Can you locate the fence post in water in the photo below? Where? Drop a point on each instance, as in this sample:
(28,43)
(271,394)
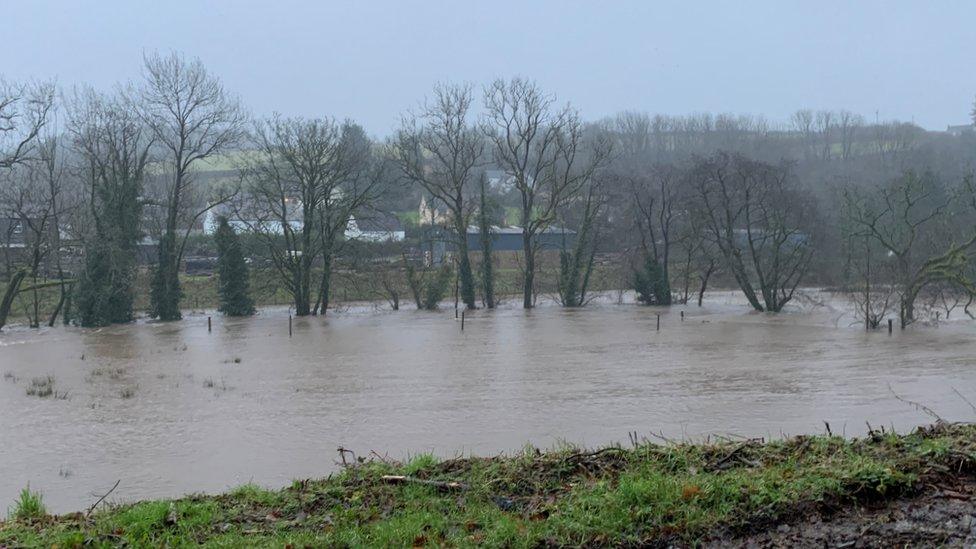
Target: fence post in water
(209,327)
(659,322)
(462,321)
(682,316)
(889,326)
(289,325)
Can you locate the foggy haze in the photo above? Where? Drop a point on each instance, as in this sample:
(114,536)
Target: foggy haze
(371,61)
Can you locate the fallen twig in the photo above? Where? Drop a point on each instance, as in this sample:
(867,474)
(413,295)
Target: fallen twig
(101,499)
(342,455)
(446,486)
(920,407)
(966,400)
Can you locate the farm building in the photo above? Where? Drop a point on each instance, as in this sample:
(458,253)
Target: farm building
(438,241)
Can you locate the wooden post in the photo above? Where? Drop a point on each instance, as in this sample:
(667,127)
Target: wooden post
(659,322)
(889,326)
(682,316)
(209,326)
(289,325)
(462,321)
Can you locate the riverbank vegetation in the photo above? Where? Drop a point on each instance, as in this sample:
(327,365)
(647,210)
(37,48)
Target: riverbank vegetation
(655,493)
(475,183)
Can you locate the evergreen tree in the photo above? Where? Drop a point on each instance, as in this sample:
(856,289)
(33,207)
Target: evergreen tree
(232,273)
(651,285)
(487,269)
(115,151)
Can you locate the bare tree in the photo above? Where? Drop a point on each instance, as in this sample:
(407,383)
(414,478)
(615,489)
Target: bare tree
(754,214)
(825,127)
(803,123)
(541,147)
(439,149)
(906,218)
(308,178)
(41,206)
(655,196)
(873,294)
(24,111)
(848,125)
(192,118)
(576,264)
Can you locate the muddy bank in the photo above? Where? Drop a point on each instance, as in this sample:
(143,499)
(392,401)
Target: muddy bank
(941,516)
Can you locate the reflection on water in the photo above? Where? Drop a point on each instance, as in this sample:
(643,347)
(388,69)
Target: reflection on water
(171,408)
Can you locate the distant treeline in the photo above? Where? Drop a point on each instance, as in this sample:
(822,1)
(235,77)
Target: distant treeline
(89,179)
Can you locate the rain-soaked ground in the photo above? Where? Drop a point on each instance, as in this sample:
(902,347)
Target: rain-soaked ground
(170,408)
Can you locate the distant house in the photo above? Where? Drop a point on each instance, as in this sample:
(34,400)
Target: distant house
(375,227)
(13,233)
(500,180)
(509,239)
(16,235)
(247,219)
(960,129)
(429,214)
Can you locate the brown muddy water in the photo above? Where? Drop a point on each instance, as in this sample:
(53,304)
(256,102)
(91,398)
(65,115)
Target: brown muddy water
(170,409)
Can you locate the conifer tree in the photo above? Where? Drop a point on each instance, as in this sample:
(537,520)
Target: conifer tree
(232,274)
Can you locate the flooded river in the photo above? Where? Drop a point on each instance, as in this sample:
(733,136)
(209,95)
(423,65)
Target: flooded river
(170,408)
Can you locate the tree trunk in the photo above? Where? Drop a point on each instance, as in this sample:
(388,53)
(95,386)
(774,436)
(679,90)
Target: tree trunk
(325,286)
(528,278)
(13,287)
(57,308)
(907,312)
(704,283)
(166,294)
(466,276)
(303,293)
(487,274)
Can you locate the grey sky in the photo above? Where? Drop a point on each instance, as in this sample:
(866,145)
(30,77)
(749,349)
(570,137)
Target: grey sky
(371,60)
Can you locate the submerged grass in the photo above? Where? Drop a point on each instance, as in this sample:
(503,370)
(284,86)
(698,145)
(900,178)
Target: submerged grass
(42,387)
(648,494)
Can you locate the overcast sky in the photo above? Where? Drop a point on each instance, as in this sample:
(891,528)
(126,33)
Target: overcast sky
(370,60)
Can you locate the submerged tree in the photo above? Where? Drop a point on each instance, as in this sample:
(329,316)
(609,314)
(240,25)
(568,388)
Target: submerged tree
(651,284)
(114,149)
(192,118)
(755,215)
(307,179)
(484,230)
(655,200)
(439,150)
(428,286)
(908,218)
(232,275)
(576,264)
(24,111)
(541,147)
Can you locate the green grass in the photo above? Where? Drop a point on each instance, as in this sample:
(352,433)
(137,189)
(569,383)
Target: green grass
(29,506)
(648,494)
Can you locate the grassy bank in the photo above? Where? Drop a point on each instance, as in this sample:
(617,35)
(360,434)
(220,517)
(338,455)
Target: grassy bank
(645,494)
